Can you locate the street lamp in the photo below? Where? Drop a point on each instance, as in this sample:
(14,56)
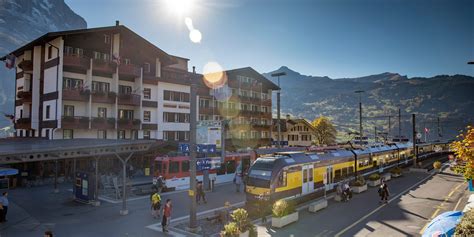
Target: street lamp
(360,114)
(278,74)
(192,147)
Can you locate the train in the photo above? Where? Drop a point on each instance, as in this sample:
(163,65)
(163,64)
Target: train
(299,175)
(175,169)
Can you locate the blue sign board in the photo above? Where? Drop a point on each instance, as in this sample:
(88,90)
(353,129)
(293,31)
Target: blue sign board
(201,148)
(203,164)
(283,143)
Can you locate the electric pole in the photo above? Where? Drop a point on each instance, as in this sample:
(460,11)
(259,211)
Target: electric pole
(360,115)
(415,150)
(439,131)
(399,125)
(278,74)
(389,127)
(192,148)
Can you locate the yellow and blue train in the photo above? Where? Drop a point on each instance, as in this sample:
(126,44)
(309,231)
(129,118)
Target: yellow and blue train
(299,174)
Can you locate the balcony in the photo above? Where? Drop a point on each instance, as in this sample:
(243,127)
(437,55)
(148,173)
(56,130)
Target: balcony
(103,123)
(125,123)
(23,123)
(75,63)
(178,77)
(75,122)
(26,65)
(129,71)
(24,96)
(129,99)
(101,67)
(76,94)
(107,97)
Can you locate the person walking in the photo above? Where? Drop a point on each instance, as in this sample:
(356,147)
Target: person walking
(155,205)
(238,181)
(159,184)
(48,233)
(200,193)
(166,215)
(4,207)
(383,192)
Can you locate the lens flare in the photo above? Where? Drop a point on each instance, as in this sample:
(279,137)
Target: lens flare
(189,23)
(179,6)
(195,36)
(213,75)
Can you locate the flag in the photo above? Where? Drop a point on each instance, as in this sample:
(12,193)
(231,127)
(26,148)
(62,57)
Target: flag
(9,116)
(10,61)
(116,59)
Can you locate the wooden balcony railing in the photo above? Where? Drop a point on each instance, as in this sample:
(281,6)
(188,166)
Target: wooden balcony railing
(75,122)
(129,99)
(129,70)
(102,66)
(125,123)
(104,97)
(26,65)
(76,94)
(103,123)
(23,123)
(76,61)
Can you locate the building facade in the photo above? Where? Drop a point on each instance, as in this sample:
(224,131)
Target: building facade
(110,83)
(294,131)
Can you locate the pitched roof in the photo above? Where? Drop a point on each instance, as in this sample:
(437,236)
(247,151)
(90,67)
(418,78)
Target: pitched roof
(285,122)
(257,75)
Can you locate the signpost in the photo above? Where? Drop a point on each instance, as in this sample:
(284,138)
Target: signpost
(209,132)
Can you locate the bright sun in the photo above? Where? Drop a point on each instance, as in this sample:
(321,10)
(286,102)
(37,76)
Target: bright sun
(180,6)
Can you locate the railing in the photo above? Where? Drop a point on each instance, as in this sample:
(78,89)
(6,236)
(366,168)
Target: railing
(25,96)
(76,61)
(103,66)
(125,123)
(23,123)
(26,65)
(128,99)
(76,94)
(103,123)
(75,122)
(129,70)
(103,97)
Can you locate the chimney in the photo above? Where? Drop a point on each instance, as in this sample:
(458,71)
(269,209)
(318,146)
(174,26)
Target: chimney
(194,69)
(117,23)
(288,117)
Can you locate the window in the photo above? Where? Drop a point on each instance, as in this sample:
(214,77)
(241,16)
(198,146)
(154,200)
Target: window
(50,52)
(126,61)
(174,167)
(146,67)
(48,111)
(125,114)
(184,166)
(203,103)
(175,117)
(98,86)
(107,39)
(183,135)
(264,109)
(96,55)
(68,50)
(102,112)
(106,57)
(282,178)
(79,52)
(146,116)
(101,134)
(68,134)
(71,83)
(176,96)
(134,135)
(68,110)
(147,93)
(121,134)
(146,134)
(125,89)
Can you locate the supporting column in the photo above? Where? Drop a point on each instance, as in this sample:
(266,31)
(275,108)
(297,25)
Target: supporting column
(124,210)
(96,191)
(74,178)
(56,190)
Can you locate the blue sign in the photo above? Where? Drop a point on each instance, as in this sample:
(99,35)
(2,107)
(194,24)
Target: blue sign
(201,148)
(203,164)
(283,143)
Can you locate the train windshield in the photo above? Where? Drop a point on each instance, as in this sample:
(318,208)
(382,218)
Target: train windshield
(260,174)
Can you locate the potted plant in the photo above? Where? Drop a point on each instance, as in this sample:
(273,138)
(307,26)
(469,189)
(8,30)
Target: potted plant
(466,225)
(437,165)
(374,180)
(359,185)
(283,213)
(396,172)
(241,218)
(230,230)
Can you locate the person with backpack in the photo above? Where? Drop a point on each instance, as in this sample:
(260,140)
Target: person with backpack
(155,205)
(346,192)
(200,193)
(159,184)
(383,192)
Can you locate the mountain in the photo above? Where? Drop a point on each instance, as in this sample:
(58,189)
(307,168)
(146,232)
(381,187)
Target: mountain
(450,98)
(22,21)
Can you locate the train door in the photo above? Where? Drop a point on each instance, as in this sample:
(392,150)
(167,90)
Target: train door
(308,183)
(329,178)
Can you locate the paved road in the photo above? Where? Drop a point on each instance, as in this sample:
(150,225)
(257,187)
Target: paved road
(415,199)
(36,209)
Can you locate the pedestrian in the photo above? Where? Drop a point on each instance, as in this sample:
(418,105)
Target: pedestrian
(201,193)
(48,233)
(159,184)
(166,215)
(238,181)
(155,205)
(4,207)
(383,192)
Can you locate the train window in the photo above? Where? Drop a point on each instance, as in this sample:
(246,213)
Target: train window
(294,169)
(174,167)
(310,175)
(337,175)
(185,166)
(350,170)
(344,172)
(158,166)
(305,176)
(282,178)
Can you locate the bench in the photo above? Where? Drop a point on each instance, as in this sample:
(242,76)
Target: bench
(318,205)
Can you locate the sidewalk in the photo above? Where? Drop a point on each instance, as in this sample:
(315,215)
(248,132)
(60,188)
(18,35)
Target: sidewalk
(412,202)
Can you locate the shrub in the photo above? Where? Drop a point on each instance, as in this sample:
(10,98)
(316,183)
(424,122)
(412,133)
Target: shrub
(282,208)
(466,226)
(230,230)
(396,170)
(359,181)
(241,218)
(374,177)
(437,165)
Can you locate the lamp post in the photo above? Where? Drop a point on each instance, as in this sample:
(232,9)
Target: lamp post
(278,74)
(360,114)
(192,147)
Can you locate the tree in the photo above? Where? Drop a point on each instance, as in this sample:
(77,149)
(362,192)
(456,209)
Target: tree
(464,151)
(325,132)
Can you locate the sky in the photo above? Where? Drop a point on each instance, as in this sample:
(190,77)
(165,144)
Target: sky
(335,38)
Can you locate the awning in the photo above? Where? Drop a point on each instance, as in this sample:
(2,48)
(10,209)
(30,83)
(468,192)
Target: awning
(8,171)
